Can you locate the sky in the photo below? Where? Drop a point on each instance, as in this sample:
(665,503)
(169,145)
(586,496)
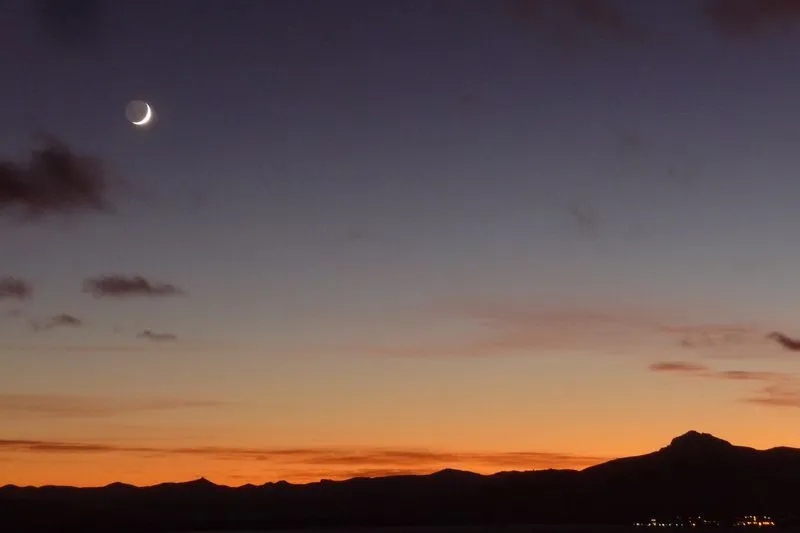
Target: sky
(365,238)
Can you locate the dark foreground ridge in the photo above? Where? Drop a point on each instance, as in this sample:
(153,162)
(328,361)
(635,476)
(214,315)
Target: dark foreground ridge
(697,474)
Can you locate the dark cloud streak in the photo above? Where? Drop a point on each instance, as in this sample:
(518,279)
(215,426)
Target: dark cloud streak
(62,320)
(678,366)
(155,336)
(793,345)
(118,286)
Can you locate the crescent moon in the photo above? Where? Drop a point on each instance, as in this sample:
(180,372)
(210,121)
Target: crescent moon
(147,116)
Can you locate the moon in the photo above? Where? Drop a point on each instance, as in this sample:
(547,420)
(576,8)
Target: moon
(139,113)
(146,118)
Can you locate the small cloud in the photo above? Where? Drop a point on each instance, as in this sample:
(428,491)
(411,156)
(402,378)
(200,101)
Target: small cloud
(787,342)
(62,320)
(748,18)
(12,288)
(678,367)
(117,285)
(156,336)
(748,375)
(72,406)
(54,181)
(586,220)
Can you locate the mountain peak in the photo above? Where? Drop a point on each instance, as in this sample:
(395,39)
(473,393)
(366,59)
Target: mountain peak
(200,482)
(694,440)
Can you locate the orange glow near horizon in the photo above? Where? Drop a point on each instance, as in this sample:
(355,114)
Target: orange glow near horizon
(98,469)
(518,403)
(37,463)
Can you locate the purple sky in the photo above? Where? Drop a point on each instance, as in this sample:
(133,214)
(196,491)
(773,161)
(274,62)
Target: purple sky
(346,193)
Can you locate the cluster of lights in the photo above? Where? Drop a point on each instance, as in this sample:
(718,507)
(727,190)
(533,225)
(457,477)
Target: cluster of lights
(747,521)
(658,523)
(678,522)
(755,521)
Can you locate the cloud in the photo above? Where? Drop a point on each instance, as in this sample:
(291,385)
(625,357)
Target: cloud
(749,375)
(678,366)
(133,347)
(62,320)
(118,285)
(12,288)
(780,389)
(787,342)
(586,220)
(502,328)
(329,462)
(685,367)
(747,18)
(778,395)
(714,335)
(71,406)
(54,181)
(156,336)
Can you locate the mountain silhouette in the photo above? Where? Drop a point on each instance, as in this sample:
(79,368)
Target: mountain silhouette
(696,474)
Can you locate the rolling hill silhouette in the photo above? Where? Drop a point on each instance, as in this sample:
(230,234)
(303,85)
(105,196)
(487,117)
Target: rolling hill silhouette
(695,474)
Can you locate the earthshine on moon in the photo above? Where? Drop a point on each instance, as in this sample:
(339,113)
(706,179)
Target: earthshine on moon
(139,113)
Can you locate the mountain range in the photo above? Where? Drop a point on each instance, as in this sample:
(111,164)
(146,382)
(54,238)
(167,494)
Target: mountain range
(696,474)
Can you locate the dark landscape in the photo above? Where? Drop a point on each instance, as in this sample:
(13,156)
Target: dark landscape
(697,474)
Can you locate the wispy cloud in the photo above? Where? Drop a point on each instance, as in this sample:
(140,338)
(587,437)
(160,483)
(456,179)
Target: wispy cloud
(55,180)
(369,461)
(119,286)
(157,336)
(133,347)
(12,288)
(506,328)
(62,320)
(779,389)
(714,335)
(778,395)
(71,406)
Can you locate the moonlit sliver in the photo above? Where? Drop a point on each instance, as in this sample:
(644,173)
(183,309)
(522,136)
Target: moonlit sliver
(140,113)
(147,115)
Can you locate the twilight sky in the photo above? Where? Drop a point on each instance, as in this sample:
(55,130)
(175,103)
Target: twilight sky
(372,237)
